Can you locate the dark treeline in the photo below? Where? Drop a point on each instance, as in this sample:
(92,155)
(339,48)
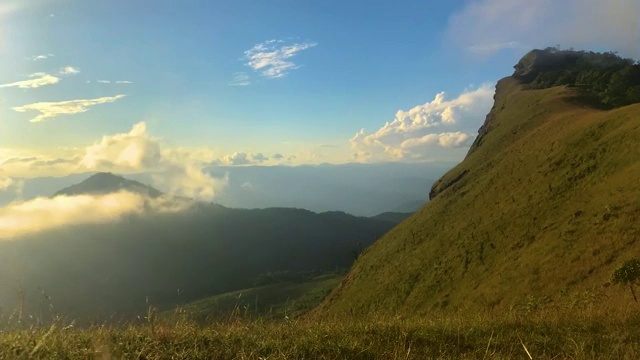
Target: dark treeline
(605,79)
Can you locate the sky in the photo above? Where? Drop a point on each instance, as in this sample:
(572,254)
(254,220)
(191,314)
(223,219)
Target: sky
(173,86)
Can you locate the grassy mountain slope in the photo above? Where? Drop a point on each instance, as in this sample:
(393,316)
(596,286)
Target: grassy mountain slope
(275,301)
(545,203)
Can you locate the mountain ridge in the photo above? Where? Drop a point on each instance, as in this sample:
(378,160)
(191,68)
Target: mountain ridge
(103,183)
(540,207)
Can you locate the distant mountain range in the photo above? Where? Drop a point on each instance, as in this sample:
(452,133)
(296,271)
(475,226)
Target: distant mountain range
(358,189)
(113,270)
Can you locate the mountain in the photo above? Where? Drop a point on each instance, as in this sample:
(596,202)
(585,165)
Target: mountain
(106,183)
(116,270)
(359,189)
(543,206)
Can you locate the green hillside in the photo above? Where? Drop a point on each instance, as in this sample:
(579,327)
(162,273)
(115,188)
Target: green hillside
(545,205)
(286,299)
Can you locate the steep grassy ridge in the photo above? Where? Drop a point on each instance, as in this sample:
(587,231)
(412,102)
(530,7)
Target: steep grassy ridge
(545,204)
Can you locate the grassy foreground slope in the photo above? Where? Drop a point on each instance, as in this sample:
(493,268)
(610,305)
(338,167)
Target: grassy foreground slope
(545,205)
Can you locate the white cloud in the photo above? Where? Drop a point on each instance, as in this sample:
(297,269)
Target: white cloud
(178,170)
(103,82)
(242,158)
(237,158)
(69,70)
(41,57)
(36,80)
(240,79)
(487,26)
(41,214)
(273,58)
(49,110)
(125,82)
(426,130)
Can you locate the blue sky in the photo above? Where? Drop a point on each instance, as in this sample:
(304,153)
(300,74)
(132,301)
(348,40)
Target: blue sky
(190,72)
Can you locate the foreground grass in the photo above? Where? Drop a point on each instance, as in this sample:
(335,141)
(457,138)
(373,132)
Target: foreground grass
(535,336)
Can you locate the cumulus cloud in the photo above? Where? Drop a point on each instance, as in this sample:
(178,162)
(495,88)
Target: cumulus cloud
(237,158)
(178,170)
(49,110)
(487,26)
(36,80)
(242,158)
(273,58)
(426,129)
(23,218)
(259,157)
(104,81)
(69,70)
(125,82)
(278,156)
(240,79)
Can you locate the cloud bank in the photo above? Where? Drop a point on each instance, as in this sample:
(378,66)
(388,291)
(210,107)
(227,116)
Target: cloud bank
(426,131)
(34,216)
(273,58)
(50,110)
(487,26)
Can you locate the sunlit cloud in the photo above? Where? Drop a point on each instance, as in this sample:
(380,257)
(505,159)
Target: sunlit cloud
(69,70)
(240,79)
(178,170)
(428,130)
(125,82)
(273,58)
(50,110)
(41,214)
(485,27)
(36,80)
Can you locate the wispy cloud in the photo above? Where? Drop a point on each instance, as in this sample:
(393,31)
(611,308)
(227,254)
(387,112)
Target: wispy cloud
(273,58)
(484,27)
(240,79)
(41,57)
(492,48)
(36,80)
(120,82)
(49,110)
(69,70)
